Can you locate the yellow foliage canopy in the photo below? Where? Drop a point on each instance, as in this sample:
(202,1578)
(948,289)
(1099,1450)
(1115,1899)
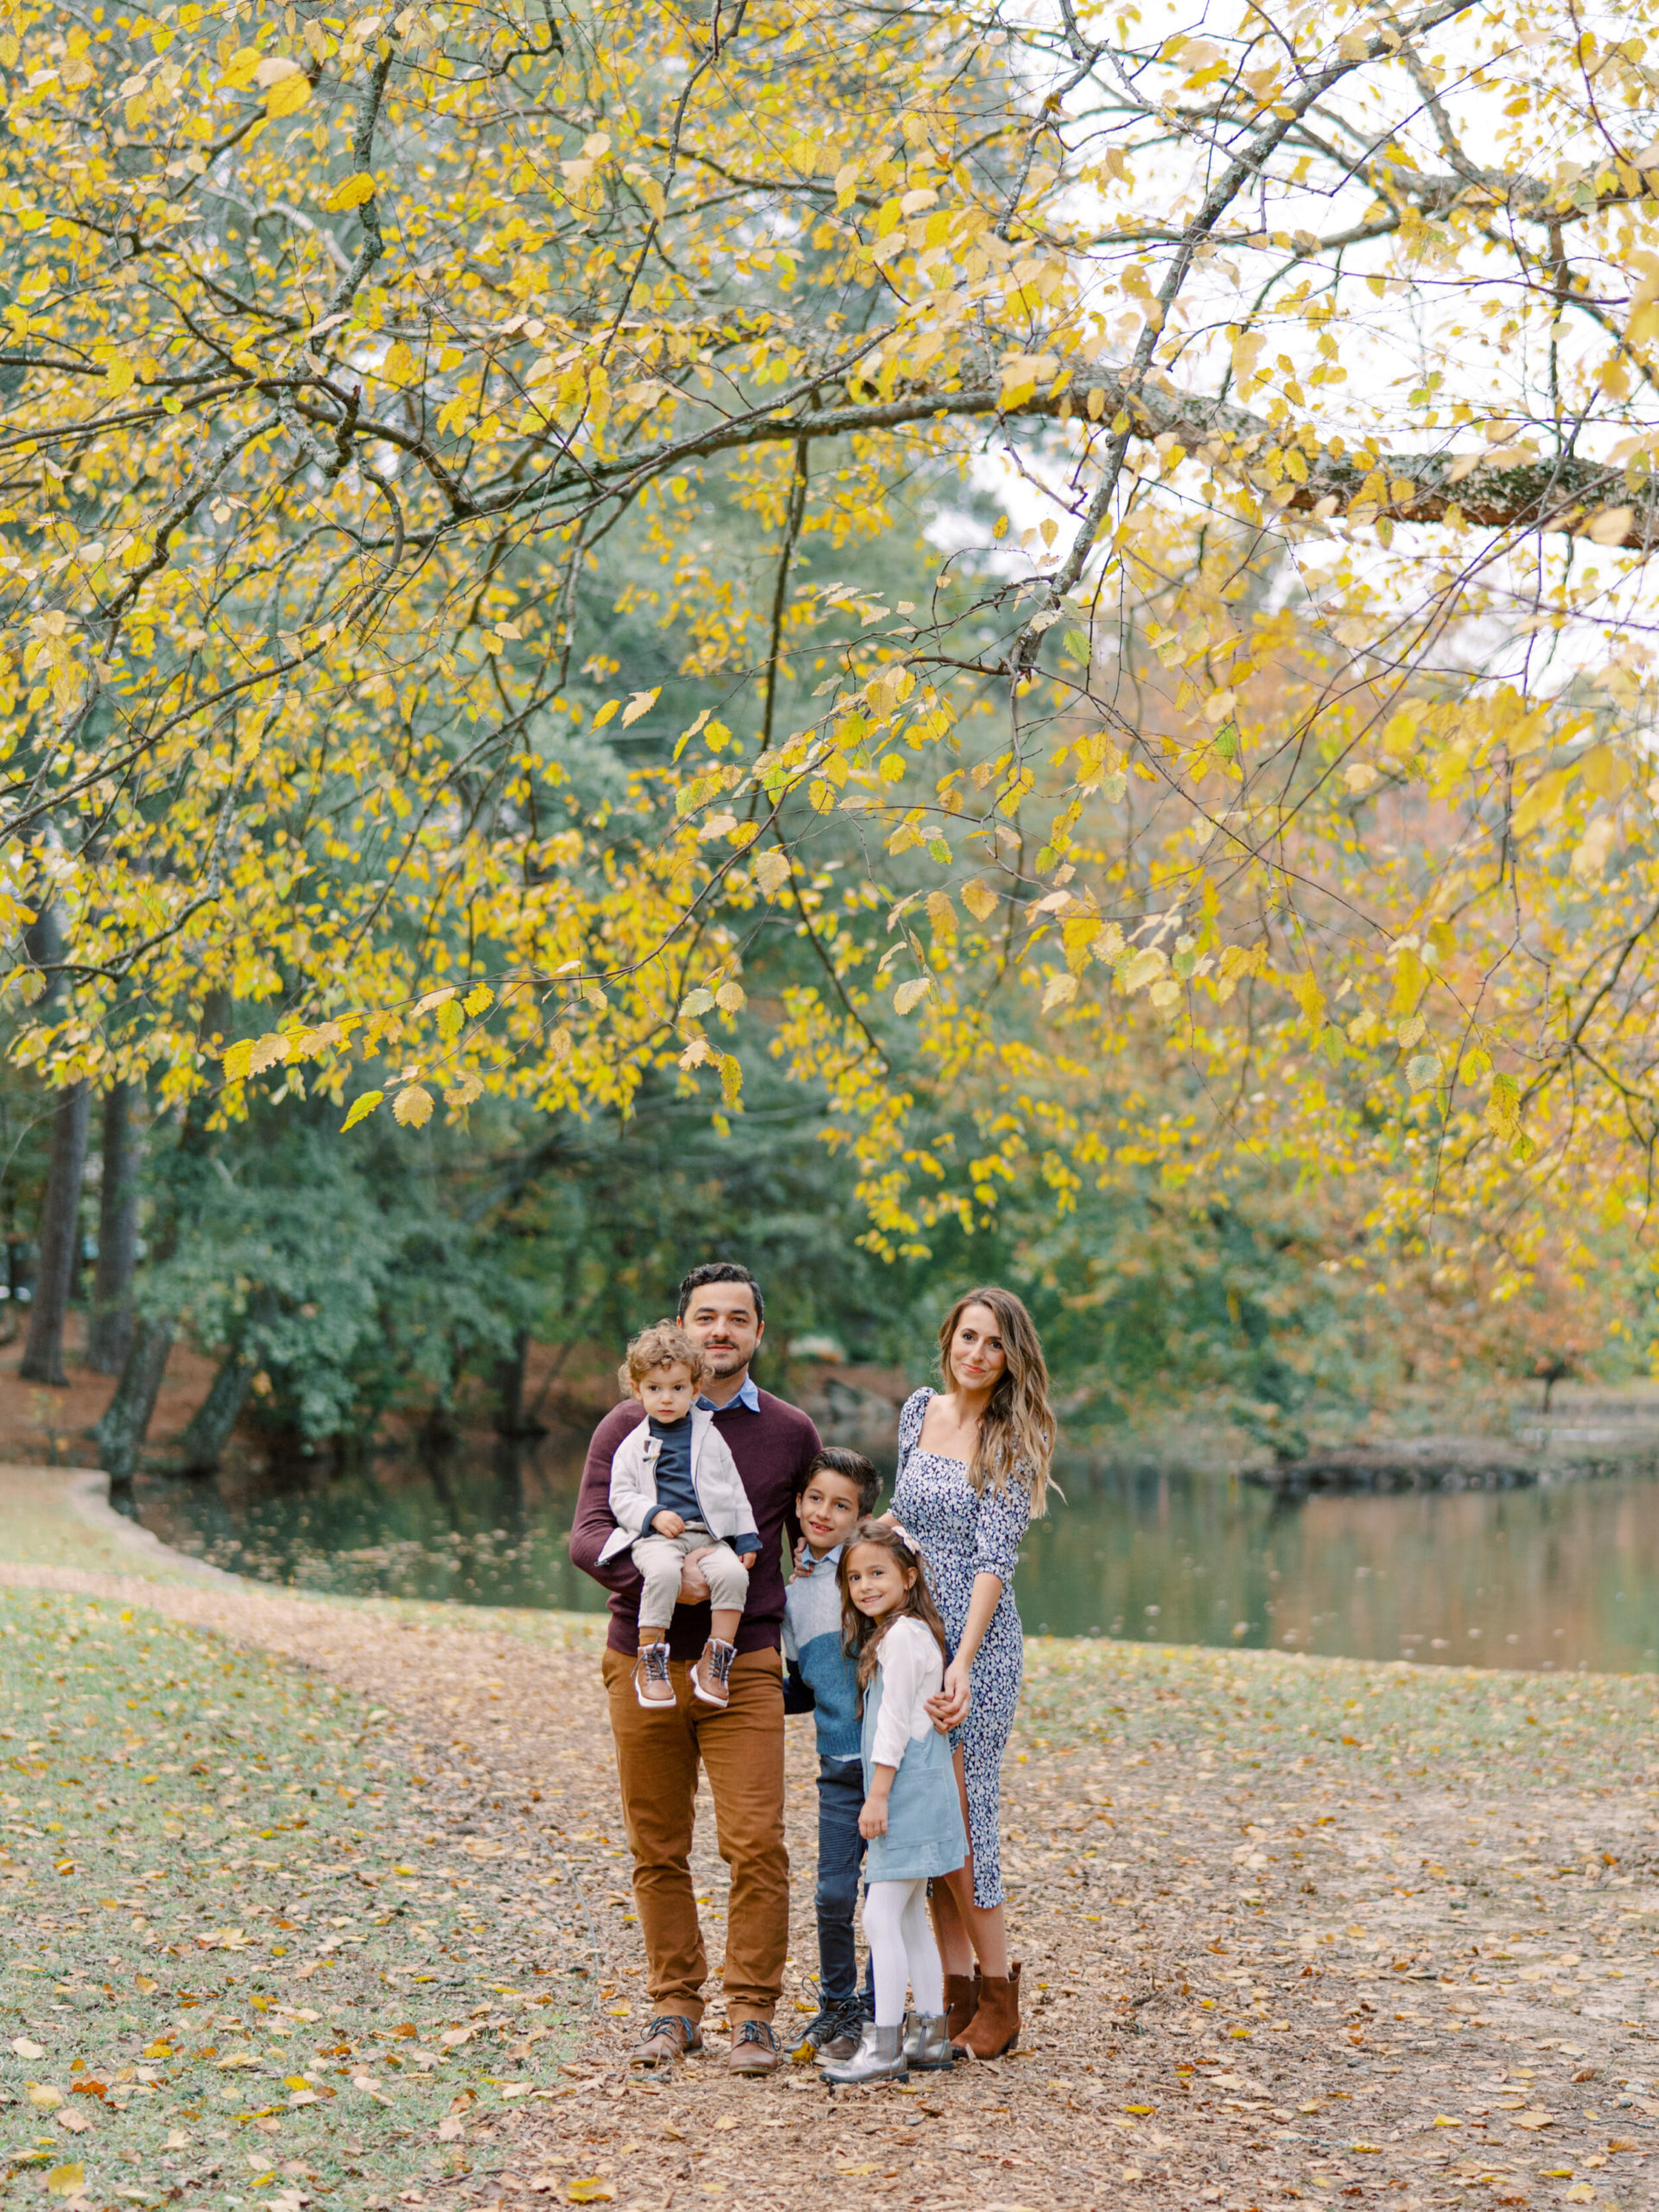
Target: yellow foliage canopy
(1301,739)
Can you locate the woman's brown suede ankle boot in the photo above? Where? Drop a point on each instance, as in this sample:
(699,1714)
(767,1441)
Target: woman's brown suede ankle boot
(960,2001)
(994,2027)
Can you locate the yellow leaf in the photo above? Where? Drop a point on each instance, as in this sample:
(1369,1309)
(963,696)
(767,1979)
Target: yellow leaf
(731,998)
(1580,2193)
(640,703)
(605,712)
(25,2049)
(120,376)
(265,1051)
(771,872)
(288,96)
(1534,2118)
(1060,991)
(65,2180)
(1145,967)
(412,1107)
(979,900)
(360,1108)
(911,994)
(479,999)
(593,2190)
(352,193)
(399,366)
(237,1059)
(1611,527)
(239,69)
(1590,854)
(43,2094)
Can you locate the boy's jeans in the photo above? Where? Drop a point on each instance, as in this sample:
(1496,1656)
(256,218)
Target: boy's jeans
(840,1854)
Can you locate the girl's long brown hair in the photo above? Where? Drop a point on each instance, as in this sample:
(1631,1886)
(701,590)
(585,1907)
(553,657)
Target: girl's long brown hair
(1016,1431)
(862,1637)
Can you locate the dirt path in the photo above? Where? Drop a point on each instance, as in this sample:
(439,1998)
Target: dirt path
(1292,1930)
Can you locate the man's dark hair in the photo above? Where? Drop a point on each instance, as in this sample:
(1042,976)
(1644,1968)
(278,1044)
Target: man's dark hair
(854,1467)
(719,1271)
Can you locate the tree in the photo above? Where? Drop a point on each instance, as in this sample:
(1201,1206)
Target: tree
(1328,348)
(109,1331)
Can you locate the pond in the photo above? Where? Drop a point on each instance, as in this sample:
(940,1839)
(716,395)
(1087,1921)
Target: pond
(1564,1575)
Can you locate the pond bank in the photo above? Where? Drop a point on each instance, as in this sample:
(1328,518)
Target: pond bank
(1289,1926)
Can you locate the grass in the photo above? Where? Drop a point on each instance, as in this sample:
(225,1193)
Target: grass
(238,1967)
(1461,1723)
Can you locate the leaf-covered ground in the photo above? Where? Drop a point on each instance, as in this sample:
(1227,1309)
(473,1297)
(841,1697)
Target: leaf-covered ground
(1294,1931)
(238,1962)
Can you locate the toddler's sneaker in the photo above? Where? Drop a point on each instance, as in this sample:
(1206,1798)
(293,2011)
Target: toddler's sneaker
(651,1685)
(711,1675)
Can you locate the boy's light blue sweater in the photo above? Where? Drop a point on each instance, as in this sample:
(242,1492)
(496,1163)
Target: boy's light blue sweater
(812,1642)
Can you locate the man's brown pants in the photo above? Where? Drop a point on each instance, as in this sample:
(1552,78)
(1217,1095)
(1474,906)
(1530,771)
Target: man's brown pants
(657,1754)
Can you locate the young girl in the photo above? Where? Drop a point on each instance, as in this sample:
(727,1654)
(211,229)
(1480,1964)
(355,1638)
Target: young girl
(911,1819)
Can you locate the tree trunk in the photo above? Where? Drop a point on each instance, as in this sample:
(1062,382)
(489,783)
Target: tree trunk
(120,1435)
(109,1332)
(60,1239)
(510,1417)
(202,1444)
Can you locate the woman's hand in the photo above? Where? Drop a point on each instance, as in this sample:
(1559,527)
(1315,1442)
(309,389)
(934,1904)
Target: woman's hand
(873,1818)
(950,1709)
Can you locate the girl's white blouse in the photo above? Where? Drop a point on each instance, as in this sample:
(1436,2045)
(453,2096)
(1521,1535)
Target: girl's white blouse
(912,1670)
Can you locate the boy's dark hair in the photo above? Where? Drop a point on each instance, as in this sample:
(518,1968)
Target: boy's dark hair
(854,1467)
(719,1271)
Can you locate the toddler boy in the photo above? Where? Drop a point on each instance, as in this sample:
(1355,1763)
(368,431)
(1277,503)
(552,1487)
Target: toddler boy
(839,1488)
(675,1491)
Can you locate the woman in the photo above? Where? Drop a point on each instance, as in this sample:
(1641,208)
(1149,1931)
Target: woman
(973,1472)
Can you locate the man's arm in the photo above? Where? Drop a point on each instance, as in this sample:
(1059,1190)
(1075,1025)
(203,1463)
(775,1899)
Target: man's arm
(594,1522)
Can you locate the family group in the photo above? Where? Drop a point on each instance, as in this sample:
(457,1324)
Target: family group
(751,1576)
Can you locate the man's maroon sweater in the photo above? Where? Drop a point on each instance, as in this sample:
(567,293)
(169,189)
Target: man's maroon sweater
(773,1449)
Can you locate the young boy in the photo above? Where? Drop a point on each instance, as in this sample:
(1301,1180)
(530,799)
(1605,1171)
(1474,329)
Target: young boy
(675,1489)
(839,1489)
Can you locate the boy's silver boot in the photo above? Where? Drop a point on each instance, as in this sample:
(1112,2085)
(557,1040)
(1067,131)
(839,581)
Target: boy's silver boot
(880,2057)
(927,2044)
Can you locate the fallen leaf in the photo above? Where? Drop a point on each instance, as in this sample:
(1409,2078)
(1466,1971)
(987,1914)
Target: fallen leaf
(450,2129)
(65,2180)
(595,2191)
(1534,2119)
(1580,2193)
(75,2119)
(727,2120)
(43,2094)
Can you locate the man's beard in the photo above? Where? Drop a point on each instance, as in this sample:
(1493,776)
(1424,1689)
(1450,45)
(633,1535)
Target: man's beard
(724,1362)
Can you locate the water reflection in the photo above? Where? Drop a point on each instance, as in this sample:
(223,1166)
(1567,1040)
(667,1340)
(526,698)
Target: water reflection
(1559,1577)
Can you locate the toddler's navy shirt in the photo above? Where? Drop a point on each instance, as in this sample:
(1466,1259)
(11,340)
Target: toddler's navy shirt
(675,1493)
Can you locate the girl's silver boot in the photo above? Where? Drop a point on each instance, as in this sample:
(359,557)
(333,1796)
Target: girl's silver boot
(927,2045)
(880,2057)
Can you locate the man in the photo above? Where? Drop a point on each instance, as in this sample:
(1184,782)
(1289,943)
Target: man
(739,1744)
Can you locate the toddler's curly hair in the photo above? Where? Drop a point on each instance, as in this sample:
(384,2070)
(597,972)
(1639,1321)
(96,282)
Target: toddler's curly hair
(664,1345)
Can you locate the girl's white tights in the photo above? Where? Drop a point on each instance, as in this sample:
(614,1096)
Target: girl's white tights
(902,1950)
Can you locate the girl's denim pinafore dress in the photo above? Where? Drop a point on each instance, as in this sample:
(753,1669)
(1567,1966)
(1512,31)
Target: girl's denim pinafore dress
(925,1833)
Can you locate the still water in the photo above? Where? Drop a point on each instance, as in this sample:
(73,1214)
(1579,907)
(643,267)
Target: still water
(1564,1576)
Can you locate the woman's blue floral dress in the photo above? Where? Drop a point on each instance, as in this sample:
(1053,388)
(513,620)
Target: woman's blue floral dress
(961,1533)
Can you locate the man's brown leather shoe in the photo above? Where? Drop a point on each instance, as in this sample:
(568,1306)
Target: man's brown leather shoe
(755,2049)
(669,2037)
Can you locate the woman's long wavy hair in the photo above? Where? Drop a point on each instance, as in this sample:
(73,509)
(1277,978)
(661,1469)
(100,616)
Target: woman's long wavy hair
(860,1636)
(1016,1431)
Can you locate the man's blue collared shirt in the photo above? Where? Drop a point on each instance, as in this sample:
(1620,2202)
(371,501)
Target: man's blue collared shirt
(748,1397)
